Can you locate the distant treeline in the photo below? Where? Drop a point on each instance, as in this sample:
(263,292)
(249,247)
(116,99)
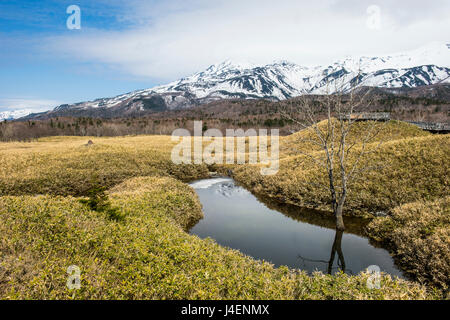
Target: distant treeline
(33,129)
(222,115)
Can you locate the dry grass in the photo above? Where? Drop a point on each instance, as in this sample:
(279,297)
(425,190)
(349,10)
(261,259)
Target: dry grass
(65,166)
(382,131)
(420,234)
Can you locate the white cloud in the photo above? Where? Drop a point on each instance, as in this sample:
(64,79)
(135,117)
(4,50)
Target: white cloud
(175,38)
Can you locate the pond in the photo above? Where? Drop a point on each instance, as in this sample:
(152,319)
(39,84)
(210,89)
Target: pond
(284,234)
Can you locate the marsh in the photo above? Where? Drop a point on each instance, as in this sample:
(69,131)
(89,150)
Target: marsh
(283,234)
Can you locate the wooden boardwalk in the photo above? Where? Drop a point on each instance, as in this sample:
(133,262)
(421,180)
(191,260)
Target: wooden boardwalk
(367,116)
(435,127)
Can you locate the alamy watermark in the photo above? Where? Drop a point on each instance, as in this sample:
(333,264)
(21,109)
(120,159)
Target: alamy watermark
(373,21)
(374,280)
(74,279)
(73,22)
(208,147)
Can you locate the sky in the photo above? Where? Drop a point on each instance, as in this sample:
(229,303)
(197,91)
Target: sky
(126,45)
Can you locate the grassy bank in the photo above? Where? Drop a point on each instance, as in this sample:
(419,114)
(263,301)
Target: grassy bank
(148,255)
(420,235)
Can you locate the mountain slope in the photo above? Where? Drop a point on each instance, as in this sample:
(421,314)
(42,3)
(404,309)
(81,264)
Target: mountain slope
(277,81)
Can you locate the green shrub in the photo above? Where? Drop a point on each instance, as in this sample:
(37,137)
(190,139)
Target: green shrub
(149,255)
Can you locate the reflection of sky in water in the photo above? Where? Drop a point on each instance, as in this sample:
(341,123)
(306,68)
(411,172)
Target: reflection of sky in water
(235,218)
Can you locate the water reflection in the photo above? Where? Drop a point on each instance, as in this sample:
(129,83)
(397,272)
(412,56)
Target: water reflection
(336,248)
(284,234)
(354,225)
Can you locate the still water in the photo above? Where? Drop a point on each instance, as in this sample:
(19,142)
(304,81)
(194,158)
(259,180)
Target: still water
(283,234)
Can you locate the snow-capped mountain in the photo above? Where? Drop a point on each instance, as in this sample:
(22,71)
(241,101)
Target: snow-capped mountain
(276,81)
(14,114)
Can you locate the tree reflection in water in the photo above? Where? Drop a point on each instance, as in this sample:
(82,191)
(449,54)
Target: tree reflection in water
(336,248)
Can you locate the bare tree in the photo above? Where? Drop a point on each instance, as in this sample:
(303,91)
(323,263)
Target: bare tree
(330,123)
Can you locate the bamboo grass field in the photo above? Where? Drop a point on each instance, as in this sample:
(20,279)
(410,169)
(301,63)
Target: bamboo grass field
(147,253)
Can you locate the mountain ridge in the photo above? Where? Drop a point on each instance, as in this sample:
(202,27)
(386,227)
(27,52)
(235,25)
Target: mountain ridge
(276,81)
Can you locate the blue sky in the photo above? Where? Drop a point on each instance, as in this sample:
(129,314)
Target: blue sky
(125,45)
(31,77)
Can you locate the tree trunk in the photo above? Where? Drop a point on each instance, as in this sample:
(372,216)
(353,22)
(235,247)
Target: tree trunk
(339,219)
